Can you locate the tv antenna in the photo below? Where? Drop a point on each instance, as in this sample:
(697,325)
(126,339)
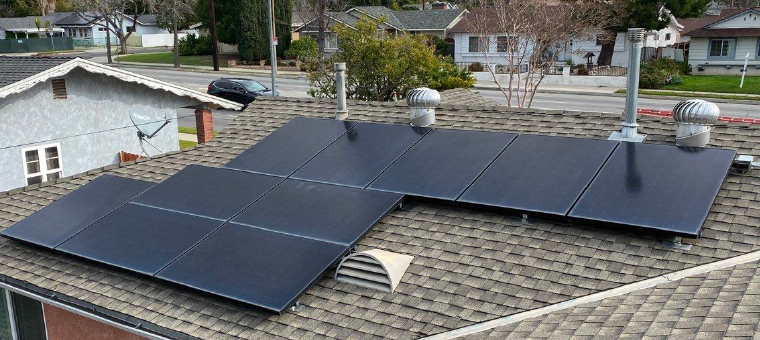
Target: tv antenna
(148,124)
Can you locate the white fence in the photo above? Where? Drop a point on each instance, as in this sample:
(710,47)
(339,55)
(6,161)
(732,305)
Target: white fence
(153,40)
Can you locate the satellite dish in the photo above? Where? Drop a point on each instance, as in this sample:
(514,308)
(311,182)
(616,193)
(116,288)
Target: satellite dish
(148,123)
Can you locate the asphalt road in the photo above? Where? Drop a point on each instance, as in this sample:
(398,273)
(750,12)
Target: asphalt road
(298,87)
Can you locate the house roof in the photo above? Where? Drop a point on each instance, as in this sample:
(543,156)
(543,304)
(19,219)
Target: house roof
(402,20)
(77,19)
(41,69)
(10,24)
(467,24)
(724,32)
(14,69)
(428,20)
(693,27)
(469,266)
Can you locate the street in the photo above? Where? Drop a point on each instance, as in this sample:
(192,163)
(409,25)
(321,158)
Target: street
(298,87)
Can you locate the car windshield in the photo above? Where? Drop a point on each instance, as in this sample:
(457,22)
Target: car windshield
(252,86)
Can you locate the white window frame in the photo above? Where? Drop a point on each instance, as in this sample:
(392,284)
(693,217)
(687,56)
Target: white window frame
(44,171)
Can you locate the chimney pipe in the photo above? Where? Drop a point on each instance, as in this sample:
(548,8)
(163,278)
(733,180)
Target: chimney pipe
(629,132)
(340,88)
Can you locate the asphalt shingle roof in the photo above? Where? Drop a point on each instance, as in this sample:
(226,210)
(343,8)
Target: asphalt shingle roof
(14,69)
(469,265)
(722,304)
(427,20)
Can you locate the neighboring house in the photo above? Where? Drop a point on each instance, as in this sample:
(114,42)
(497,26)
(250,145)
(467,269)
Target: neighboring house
(65,116)
(469,49)
(85,27)
(432,22)
(718,44)
(25,27)
(476,273)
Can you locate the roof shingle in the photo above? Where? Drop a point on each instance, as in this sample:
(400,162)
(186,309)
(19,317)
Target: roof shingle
(14,69)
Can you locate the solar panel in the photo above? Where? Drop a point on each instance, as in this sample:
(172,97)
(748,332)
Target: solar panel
(290,146)
(357,157)
(209,192)
(542,174)
(263,268)
(443,164)
(657,187)
(139,238)
(69,215)
(320,211)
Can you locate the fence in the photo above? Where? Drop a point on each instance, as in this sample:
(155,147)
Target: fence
(36,45)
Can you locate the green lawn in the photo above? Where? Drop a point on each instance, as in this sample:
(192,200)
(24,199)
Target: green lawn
(168,58)
(720,84)
(184,144)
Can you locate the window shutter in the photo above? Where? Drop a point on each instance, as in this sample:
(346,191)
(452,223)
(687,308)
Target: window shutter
(59,88)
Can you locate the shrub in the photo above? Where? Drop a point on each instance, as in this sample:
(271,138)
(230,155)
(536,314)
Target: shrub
(582,70)
(193,45)
(441,46)
(303,49)
(475,67)
(449,76)
(659,72)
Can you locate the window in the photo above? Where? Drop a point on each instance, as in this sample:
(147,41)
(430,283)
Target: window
(476,45)
(21,316)
(599,39)
(59,88)
(42,164)
(722,48)
(503,43)
(667,36)
(130,29)
(757,49)
(101,29)
(331,41)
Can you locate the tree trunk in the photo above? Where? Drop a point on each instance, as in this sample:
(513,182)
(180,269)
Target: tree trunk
(176,38)
(108,43)
(608,49)
(321,14)
(123,43)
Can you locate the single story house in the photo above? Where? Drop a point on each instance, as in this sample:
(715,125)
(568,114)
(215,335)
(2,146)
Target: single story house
(719,44)
(468,49)
(64,116)
(88,28)
(475,273)
(26,27)
(430,22)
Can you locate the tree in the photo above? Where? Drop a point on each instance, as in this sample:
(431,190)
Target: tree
(111,15)
(19,8)
(173,15)
(303,49)
(527,35)
(382,67)
(648,14)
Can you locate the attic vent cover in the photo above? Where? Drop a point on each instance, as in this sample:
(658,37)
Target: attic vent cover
(374,268)
(59,88)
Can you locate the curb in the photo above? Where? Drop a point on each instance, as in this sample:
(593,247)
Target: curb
(194,69)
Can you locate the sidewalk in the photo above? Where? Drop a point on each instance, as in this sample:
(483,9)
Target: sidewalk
(235,70)
(560,89)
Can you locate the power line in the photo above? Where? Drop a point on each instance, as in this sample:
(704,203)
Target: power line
(88,134)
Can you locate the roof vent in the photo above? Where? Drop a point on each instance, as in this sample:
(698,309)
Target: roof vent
(694,118)
(374,268)
(422,102)
(59,89)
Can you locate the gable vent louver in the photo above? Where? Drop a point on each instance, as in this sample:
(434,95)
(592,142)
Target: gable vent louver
(376,269)
(59,89)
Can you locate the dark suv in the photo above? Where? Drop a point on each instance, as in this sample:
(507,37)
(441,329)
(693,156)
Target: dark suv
(239,90)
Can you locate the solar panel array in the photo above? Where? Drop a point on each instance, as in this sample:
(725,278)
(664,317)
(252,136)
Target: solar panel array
(271,222)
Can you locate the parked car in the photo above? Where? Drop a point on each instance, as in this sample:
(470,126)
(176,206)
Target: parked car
(240,90)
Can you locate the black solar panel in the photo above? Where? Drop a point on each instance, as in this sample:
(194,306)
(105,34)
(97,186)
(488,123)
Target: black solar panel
(320,211)
(69,215)
(357,157)
(443,164)
(540,174)
(263,268)
(139,238)
(658,187)
(208,192)
(290,146)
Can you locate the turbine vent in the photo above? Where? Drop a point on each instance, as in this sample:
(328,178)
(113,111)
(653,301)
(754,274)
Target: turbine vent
(375,269)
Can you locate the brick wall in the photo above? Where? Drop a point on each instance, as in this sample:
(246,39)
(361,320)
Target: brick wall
(65,325)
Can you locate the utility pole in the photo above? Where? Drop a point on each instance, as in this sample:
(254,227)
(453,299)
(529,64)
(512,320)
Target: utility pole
(212,29)
(272,47)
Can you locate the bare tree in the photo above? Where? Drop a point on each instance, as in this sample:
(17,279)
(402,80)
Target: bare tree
(172,11)
(111,14)
(316,13)
(521,39)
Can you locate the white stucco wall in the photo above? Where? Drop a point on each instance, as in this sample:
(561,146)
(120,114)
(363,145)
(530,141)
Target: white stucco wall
(92,125)
(698,55)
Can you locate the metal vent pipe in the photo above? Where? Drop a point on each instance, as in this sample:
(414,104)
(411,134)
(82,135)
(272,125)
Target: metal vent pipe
(340,89)
(636,37)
